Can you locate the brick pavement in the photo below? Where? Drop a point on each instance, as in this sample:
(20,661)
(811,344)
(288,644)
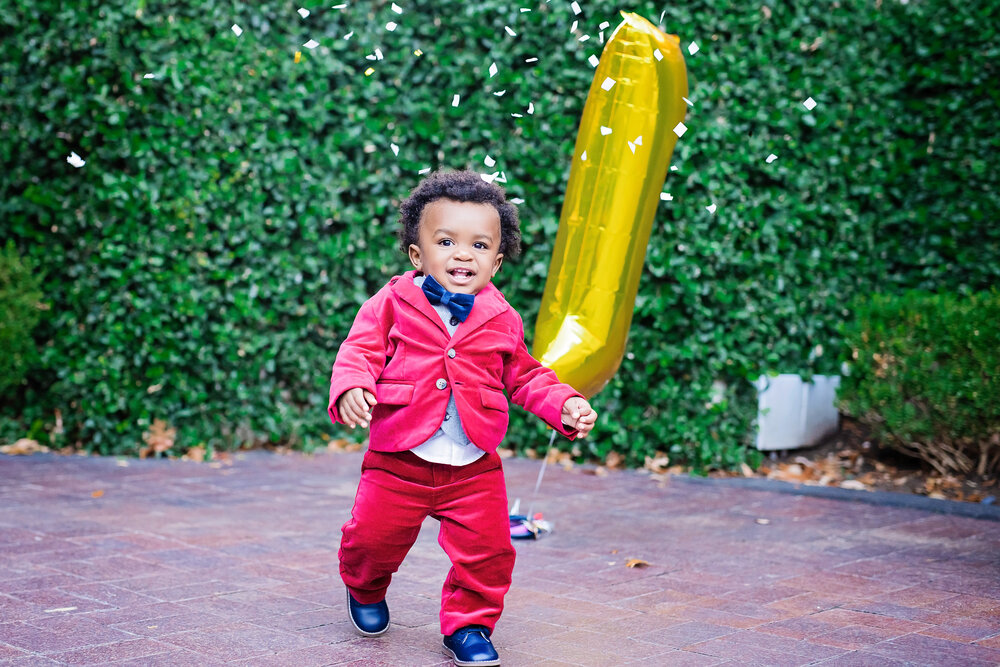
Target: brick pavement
(178,563)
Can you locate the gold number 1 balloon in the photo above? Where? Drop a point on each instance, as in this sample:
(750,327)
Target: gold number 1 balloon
(620,162)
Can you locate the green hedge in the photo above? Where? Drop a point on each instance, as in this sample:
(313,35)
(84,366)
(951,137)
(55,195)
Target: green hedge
(237,207)
(21,304)
(924,377)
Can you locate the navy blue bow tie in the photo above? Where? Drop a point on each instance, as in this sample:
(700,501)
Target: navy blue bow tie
(460,305)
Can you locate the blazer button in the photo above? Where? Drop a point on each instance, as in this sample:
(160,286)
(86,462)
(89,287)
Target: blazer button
(441,383)
(453,321)
(451,353)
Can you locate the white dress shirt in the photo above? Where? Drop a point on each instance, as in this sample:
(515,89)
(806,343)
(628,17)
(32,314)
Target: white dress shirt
(449,444)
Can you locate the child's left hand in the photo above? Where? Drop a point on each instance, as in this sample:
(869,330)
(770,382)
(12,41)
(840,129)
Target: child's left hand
(577,413)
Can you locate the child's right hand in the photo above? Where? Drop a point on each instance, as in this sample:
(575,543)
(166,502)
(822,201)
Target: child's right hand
(355,405)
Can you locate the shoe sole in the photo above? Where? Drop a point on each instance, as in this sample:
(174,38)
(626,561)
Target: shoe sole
(363,633)
(469,663)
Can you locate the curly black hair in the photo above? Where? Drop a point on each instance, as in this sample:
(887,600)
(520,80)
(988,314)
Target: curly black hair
(459,186)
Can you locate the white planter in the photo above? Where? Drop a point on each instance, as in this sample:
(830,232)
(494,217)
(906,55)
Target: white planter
(792,413)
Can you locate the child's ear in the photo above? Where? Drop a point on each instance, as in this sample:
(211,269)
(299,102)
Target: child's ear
(496,264)
(415,256)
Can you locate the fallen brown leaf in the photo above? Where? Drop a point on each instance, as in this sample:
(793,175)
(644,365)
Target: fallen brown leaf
(636,562)
(658,463)
(97,494)
(159,437)
(23,447)
(614,460)
(196,454)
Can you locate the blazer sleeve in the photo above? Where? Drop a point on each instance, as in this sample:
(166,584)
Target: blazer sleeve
(363,354)
(535,387)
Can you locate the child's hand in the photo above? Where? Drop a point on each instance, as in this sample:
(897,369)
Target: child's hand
(578,414)
(355,405)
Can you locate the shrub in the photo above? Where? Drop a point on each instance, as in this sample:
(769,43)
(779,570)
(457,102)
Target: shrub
(925,376)
(20,303)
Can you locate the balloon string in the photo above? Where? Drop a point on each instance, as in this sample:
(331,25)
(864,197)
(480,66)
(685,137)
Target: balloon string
(541,473)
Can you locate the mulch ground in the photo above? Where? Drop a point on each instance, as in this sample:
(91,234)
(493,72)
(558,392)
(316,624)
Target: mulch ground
(854,459)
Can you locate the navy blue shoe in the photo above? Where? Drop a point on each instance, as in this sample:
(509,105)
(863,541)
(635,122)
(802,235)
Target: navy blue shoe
(471,647)
(370,620)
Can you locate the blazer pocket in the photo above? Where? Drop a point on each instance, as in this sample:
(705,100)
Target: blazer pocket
(394,393)
(493,399)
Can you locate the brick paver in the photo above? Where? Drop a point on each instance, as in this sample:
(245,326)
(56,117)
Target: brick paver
(178,563)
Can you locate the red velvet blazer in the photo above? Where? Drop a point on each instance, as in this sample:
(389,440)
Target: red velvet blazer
(400,350)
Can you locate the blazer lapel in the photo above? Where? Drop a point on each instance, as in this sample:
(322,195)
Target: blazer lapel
(414,296)
(489,304)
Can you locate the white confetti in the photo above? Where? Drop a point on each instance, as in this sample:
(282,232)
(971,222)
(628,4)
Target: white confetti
(341,6)
(149,75)
(693,48)
(311,44)
(59,609)
(593,60)
(489,178)
(493,70)
(809,104)
(425,170)
(576,8)
(502,178)
(687,101)
(608,84)
(303,12)
(531,108)
(236,29)
(657,54)
(572,28)
(605,131)
(631,147)
(666,196)
(349,35)
(390,26)
(710,208)
(75,160)
(395,149)
(371,56)
(489,161)
(771,158)
(510,31)
(680,129)
(378,53)
(638,140)
(531,60)
(524,9)
(455,100)
(517,115)
(500,93)
(396,8)
(517,200)
(604,26)
(584,38)
(583,156)
(673,168)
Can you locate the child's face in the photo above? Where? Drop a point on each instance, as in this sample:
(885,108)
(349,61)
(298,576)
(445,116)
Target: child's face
(459,244)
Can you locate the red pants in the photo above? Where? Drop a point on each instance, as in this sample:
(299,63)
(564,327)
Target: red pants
(395,494)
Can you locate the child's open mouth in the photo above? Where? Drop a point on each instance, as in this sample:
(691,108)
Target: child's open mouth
(461,275)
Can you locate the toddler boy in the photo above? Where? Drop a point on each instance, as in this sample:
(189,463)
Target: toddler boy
(425,367)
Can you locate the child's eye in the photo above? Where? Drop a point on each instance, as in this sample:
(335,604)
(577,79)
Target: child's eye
(479,245)
(445,242)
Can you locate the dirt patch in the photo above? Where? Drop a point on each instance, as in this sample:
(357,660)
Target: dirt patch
(854,459)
